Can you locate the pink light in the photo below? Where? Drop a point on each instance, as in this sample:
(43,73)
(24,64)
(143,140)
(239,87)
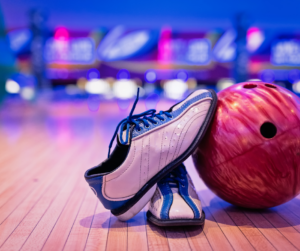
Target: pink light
(164,45)
(252,30)
(255,38)
(61,34)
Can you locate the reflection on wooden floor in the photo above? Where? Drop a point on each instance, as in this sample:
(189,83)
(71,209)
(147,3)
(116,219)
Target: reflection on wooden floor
(45,204)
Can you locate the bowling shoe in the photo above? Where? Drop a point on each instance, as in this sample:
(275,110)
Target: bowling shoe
(148,146)
(175,201)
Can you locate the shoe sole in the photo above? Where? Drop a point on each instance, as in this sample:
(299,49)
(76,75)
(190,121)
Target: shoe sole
(138,206)
(142,194)
(176,222)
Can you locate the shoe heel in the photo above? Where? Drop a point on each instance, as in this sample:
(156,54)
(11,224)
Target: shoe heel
(137,206)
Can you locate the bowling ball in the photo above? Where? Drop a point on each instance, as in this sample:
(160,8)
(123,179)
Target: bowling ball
(250,155)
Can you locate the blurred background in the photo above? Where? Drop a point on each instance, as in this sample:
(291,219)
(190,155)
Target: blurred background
(72,65)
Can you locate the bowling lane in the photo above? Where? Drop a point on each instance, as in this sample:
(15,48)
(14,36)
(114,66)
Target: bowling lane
(46,204)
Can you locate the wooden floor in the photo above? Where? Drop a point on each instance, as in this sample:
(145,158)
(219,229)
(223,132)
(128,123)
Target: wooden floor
(45,203)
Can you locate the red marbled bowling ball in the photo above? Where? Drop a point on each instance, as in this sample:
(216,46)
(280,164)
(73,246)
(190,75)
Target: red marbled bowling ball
(250,155)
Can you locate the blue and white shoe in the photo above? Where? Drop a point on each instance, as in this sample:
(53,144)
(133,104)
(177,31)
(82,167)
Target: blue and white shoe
(175,201)
(149,146)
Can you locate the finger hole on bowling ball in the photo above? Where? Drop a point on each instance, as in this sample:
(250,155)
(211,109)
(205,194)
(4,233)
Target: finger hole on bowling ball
(268,130)
(270,86)
(250,86)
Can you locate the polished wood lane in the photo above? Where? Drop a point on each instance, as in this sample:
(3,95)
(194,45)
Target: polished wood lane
(45,203)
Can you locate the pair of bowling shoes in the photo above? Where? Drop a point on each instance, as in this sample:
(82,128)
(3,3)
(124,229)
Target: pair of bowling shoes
(146,163)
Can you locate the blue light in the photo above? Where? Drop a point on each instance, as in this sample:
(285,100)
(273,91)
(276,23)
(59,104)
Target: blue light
(294,75)
(183,75)
(225,48)
(93,74)
(123,74)
(73,51)
(286,52)
(118,44)
(267,76)
(19,40)
(198,51)
(150,76)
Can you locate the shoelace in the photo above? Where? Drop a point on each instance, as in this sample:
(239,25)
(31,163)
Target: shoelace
(175,178)
(148,117)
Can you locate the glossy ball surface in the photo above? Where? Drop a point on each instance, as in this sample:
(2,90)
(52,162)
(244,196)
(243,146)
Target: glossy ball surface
(250,155)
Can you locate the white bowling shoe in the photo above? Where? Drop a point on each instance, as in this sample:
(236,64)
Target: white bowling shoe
(175,201)
(149,146)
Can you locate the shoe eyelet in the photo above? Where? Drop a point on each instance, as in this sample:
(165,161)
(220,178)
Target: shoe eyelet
(155,123)
(163,120)
(171,117)
(138,130)
(147,126)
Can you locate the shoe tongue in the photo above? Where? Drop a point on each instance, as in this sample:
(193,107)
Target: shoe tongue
(175,190)
(124,137)
(174,185)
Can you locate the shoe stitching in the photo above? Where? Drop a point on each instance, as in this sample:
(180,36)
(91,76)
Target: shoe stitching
(180,136)
(171,142)
(161,148)
(187,131)
(191,122)
(170,121)
(141,163)
(143,170)
(178,140)
(182,108)
(167,151)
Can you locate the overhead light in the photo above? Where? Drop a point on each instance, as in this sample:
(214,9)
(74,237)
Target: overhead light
(175,89)
(254,80)
(97,86)
(123,74)
(267,76)
(255,38)
(93,74)
(296,87)
(150,76)
(182,75)
(124,88)
(27,93)
(61,34)
(12,86)
(223,83)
